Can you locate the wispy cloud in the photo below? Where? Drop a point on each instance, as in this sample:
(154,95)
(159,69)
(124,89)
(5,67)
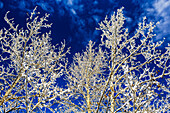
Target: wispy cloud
(160,10)
(161,6)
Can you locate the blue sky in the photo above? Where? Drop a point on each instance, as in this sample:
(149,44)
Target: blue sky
(75,20)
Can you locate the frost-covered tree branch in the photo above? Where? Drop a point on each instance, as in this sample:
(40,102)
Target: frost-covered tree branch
(133,63)
(86,79)
(133,67)
(125,73)
(33,64)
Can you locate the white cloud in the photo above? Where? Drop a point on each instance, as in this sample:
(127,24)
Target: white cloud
(162,11)
(70,2)
(161,6)
(158,10)
(73,11)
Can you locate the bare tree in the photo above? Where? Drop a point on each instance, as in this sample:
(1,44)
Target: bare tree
(132,65)
(133,81)
(122,74)
(86,80)
(33,64)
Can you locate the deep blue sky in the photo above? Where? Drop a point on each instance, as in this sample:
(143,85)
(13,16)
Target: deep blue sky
(76,20)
